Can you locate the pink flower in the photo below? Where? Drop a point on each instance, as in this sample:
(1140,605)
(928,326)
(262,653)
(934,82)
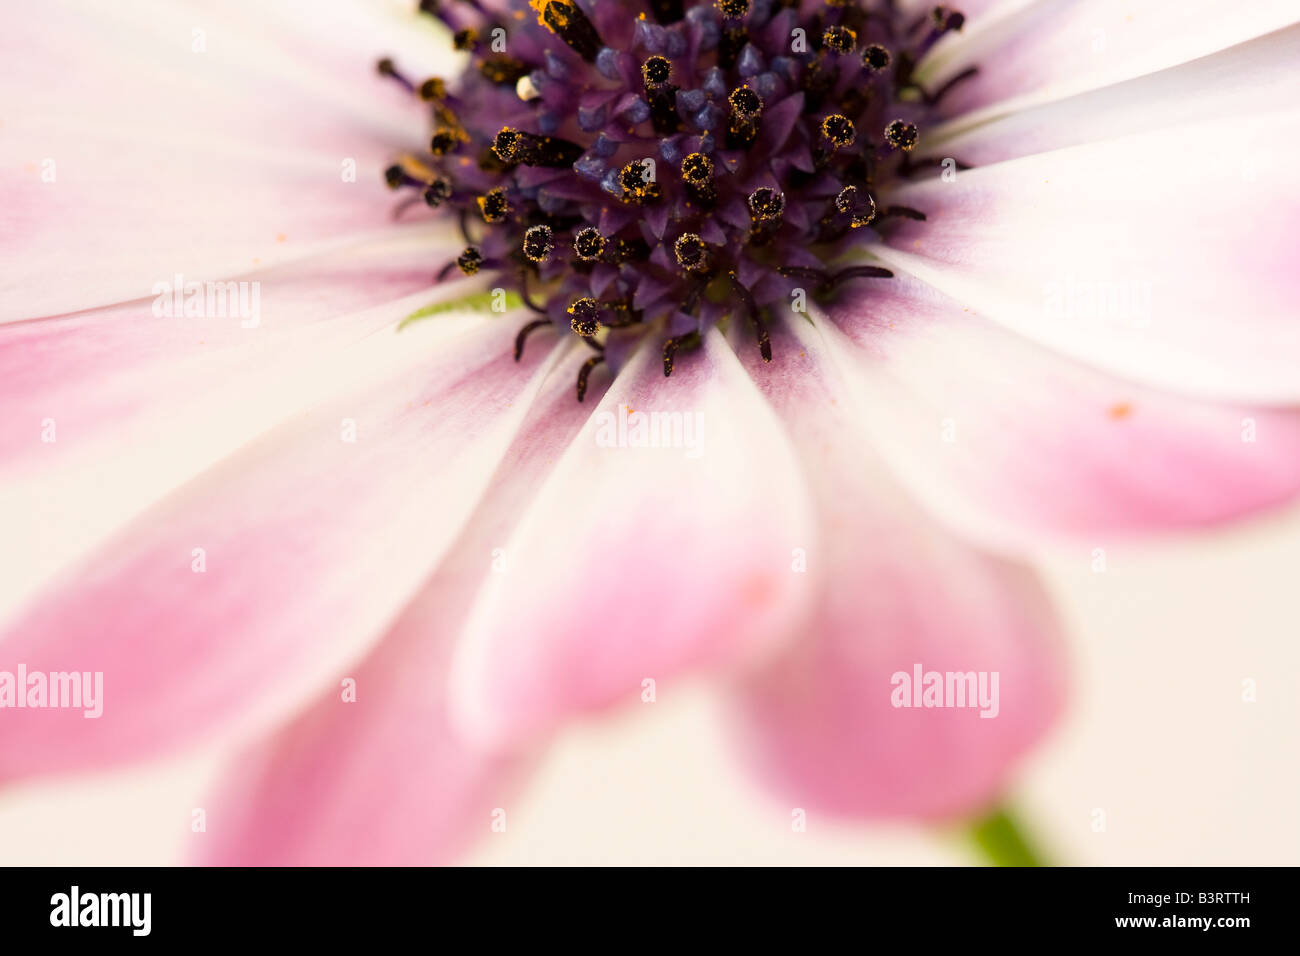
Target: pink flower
(390,565)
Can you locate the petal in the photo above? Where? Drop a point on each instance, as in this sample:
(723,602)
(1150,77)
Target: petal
(897,592)
(225,607)
(238,152)
(384,779)
(639,563)
(1017,444)
(1251,78)
(1162,257)
(1048,49)
(110,410)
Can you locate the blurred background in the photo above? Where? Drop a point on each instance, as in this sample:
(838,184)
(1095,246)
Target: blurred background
(1160,760)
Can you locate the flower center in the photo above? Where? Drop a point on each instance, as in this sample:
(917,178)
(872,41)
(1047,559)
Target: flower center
(657,167)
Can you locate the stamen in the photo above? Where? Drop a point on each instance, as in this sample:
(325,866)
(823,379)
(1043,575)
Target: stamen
(443,142)
(692,253)
(585,372)
(589,244)
(875,58)
(522,338)
(838,130)
(656,72)
(688,341)
(495,207)
(434,88)
(637,185)
(514,146)
(538,243)
(766,203)
(746,108)
(471,260)
(755,316)
(567,21)
(586,316)
(901,135)
(840,40)
(437,192)
(386,67)
(697,174)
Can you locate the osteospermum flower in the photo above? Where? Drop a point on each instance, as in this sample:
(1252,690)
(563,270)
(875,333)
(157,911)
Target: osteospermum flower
(909,289)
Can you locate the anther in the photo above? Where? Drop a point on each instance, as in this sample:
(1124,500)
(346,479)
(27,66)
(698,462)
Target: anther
(656,72)
(733,9)
(589,244)
(838,130)
(570,24)
(901,135)
(470,261)
(875,58)
(437,192)
(503,70)
(514,146)
(443,142)
(697,169)
(434,88)
(464,39)
(538,243)
(746,108)
(840,40)
(585,314)
(745,103)
(495,207)
(638,186)
(766,204)
(691,252)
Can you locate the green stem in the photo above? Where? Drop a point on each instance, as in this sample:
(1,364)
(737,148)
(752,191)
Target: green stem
(1001,839)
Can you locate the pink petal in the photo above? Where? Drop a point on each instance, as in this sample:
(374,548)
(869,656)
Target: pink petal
(895,590)
(1014,442)
(166,159)
(1188,263)
(640,563)
(1036,51)
(1253,77)
(385,780)
(112,409)
(311,544)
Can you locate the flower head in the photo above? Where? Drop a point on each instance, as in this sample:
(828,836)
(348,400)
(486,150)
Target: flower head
(690,164)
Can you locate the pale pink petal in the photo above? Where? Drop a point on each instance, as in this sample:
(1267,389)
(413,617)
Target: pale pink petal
(1182,237)
(1047,49)
(108,411)
(1250,78)
(1018,444)
(384,779)
(895,591)
(640,563)
(312,538)
(138,155)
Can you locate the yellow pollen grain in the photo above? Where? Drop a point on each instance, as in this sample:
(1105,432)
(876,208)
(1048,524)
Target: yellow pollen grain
(1120,411)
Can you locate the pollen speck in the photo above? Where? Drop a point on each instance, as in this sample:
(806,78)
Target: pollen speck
(1120,411)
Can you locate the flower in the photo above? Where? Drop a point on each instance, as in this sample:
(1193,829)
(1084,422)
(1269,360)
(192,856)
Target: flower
(389,565)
